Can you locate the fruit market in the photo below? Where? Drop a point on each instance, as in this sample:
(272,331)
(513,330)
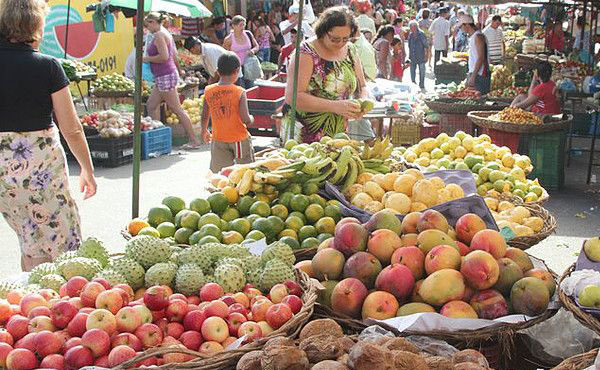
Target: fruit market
(263,187)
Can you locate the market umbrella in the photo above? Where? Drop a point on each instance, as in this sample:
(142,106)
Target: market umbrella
(190,8)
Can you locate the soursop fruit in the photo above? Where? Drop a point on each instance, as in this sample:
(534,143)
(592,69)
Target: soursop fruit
(214,250)
(209,278)
(230,277)
(40,270)
(33,288)
(162,273)
(281,251)
(148,250)
(251,263)
(94,248)
(229,260)
(275,272)
(195,255)
(7,286)
(132,271)
(238,251)
(189,279)
(65,256)
(52,281)
(79,266)
(112,276)
(253,277)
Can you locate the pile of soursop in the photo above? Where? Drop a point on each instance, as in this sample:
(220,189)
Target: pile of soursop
(149,261)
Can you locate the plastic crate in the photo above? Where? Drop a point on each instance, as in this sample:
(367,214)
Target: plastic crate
(265,98)
(501,138)
(112,152)
(428,130)
(452,123)
(405,134)
(547,153)
(156,142)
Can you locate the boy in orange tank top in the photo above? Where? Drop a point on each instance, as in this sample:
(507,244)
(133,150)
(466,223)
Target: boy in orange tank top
(226,104)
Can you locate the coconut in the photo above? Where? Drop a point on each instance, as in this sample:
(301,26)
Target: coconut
(329,365)
(367,356)
(346,343)
(399,344)
(439,363)
(321,326)
(469,366)
(470,355)
(250,361)
(279,341)
(404,360)
(321,347)
(284,358)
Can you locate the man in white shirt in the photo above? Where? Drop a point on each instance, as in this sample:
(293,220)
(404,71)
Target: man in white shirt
(440,29)
(365,21)
(209,54)
(292,22)
(495,40)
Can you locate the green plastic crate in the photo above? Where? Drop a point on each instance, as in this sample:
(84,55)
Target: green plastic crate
(547,152)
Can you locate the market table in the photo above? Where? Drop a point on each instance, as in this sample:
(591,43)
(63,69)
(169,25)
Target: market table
(381,113)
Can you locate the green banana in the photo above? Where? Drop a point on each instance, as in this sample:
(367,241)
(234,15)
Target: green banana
(342,165)
(372,171)
(359,163)
(286,174)
(296,166)
(321,178)
(372,163)
(382,169)
(350,176)
(366,154)
(314,165)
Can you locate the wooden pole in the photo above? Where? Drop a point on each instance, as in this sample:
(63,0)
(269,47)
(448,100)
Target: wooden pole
(299,38)
(137,113)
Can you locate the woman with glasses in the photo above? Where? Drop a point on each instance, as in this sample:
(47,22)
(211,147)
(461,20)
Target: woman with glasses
(330,76)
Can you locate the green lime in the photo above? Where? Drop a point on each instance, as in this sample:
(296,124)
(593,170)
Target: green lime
(294,222)
(285,199)
(160,214)
(252,218)
(295,188)
(299,202)
(175,204)
(150,231)
(183,234)
(208,239)
(209,218)
(255,235)
(260,208)
(244,204)
(310,188)
(317,199)
(324,236)
(325,225)
(537,190)
(241,225)
(519,193)
(333,202)
(476,168)
(307,231)
(232,237)
(230,214)
(310,243)
(195,238)
(289,233)
(263,225)
(334,212)
(314,213)
(218,202)
(293,243)
(166,229)
(213,230)
(224,225)
(276,223)
(189,219)
(200,205)
(280,211)
(301,215)
(291,143)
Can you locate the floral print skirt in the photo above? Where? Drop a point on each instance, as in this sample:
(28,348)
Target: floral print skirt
(34,193)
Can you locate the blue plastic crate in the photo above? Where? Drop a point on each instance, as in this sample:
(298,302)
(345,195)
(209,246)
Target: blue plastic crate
(156,142)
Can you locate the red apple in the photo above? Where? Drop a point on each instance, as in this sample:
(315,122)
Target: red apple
(294,302)
(5,349)
(215,329)
(217,308)
(156,298)
(6,337)
(63,335)
(21,359)
(40,323)
(210,348)
(149,362)
(102,281)
(293,287)
(251,293)
(62,313)
(158,315)
(193,320)
(259,309)
(193,299)
(128,319)
(76,327)
(75,286)
(127,289)
(101,319)
(145,313)
(47,343)
(54,361)
(176,310)
(191,339)
(251,330)
(234,320)
(120,354)
(124,296)
(78,357)
(110,300)
(27,342)
(193,307)
(63,290)
(73,342)
(228,300)
(175,329)
(39,311)
(178,296)
(162,324)
(102,361)
(278,314)
(126,339)
(266,329)
(48,294)
(90,293)
(210,292)
(277,292)
(30,301)
(238,307)
(150,335)
(76,301)
(97,340)
(17,326)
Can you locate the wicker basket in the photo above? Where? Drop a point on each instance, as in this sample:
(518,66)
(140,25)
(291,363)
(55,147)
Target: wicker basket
(480,118)
(569,304)
(456,106)
(404,133)
(578,362)
(229,359)
(550,225)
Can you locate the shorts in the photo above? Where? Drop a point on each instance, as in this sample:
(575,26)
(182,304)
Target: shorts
(34,193)
(227,154)
(167,82)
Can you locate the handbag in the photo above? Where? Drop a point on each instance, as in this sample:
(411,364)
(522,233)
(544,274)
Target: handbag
(252,69)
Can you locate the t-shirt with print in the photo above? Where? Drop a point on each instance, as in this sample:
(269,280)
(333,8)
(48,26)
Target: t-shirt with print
(29,78)
(547,102)
(224,105)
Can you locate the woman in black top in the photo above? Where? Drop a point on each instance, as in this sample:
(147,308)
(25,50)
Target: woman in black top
(34,192)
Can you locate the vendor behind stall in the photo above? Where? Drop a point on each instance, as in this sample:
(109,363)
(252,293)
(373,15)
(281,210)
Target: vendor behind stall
(541,97)
(479,70)
(209,54)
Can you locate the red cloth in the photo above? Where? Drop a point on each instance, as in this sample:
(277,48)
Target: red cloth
(397,69)
(555,40)
(547,102)
(286,51)
(361,5)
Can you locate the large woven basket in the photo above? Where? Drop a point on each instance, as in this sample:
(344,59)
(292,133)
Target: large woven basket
(456,106)
(569,304)
(480,118)
(578,362)
(228,359)
(550,225)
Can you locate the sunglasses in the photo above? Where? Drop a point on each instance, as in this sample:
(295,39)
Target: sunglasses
(337,40)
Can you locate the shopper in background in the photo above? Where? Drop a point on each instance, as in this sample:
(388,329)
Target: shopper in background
(161,56)
(277,45)
(364,20)
(424,25)
(292,23)
(461,39)
(399,56)
(226,105)
(581,46)
(209,56)
(417,52)
(264,37)
(440,31)
(541,96)
(367,35)
(366,54)
(479,76)
(35,199)
(286,52)
(398,23)
(383,49)
(243,44)
(495,40)
(555,37)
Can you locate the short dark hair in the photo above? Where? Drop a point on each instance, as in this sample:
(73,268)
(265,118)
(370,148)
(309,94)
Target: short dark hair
(336,16)
(396,21)
(425,14)
(294,31)
(190,42)
(544,70)
(228,63)
(396,40)
(218,20)
(496,18)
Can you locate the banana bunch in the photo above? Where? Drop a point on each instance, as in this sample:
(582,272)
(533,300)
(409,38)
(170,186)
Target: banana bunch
(376,166)
(348,167)
(382,149)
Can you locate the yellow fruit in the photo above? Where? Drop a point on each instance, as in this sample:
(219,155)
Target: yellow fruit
(263,198)
(361,200)
(508,160)
(444,196)
(456,191)
(378,179)
(364,177)
(423,162)
(373,206)
(353,190)
(521,212)
(535,223)
(417,207)
(404,184)
(136,225)
(231,194)
(415,173)
(410,156)
(399,202)
(468,143)
(424,192)
(460,151)
(388,181)
(522,230)
(492,203)
(505,206)
(479,149)
(374,190)
(437,182)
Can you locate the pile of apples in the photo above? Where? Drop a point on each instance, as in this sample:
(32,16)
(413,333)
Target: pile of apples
(91,323)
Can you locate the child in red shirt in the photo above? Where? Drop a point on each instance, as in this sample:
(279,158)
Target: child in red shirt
(398,65)
(541,97)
